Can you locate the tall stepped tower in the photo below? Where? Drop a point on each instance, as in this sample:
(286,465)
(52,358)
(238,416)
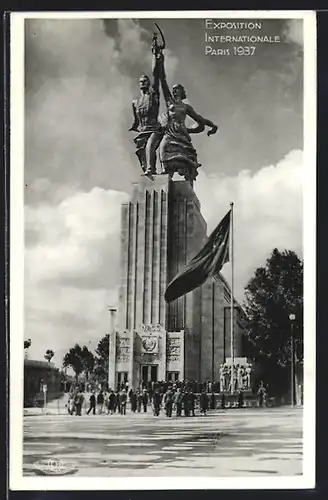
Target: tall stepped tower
(162,228)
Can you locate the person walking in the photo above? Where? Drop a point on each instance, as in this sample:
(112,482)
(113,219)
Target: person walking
(133,400)
(185,400)
(92,401)
(261,395)
(157,399)
(79,402)
(240,399)
(117,405)
(123,398)
(100,402)
(105,405)
(144,400)
(75,402)
(139,400)
(191,396)
(111,402)
(150,390)
(168,402)
(178,402)
(204,402)
(70,403)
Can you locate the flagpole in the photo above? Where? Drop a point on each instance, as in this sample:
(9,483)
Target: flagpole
(232,340)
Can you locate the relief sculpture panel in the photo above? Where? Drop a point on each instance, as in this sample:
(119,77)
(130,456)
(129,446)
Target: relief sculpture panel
(122,349)
(173,349)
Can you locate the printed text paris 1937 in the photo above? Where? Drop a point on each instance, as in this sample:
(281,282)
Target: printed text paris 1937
(235,38)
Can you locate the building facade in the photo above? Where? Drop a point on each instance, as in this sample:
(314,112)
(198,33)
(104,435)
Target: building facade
(162,228)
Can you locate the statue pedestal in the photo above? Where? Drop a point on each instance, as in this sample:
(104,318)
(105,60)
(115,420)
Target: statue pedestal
(241,375)
(177,169)
(237,361)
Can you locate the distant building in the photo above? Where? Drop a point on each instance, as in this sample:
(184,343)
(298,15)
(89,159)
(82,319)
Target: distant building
(36,375)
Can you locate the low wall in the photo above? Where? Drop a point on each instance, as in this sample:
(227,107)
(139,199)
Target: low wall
(227,400)
(38,400)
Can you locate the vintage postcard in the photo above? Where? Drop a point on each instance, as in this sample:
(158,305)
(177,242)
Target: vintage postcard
(162,251)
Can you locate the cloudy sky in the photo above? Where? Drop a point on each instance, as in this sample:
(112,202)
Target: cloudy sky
(80,77)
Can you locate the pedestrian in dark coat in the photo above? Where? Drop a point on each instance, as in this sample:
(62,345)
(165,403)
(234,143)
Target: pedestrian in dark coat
(92,401)
(100,402)
(192,403)
(144,400)
(157,399)
(240,399)
(117,402)
(133,400)
(79,398)
(261,395)
(123,398)
(168,401)
(204,402)
(139,401)
(178,402)
(111,402)
(71,403)
(186,403)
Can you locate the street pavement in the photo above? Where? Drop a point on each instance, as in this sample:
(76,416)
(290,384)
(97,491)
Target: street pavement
(225,443)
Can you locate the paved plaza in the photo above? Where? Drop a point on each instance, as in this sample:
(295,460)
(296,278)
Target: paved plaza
(242,442)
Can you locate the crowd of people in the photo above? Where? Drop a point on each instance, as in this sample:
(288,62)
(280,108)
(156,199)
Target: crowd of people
(181,398)
(178,397)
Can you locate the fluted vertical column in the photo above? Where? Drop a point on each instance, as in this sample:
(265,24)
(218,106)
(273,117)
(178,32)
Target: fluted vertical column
(163,257)
(112,359)
(122,312)
(151,284)
(134,259)
(157,258)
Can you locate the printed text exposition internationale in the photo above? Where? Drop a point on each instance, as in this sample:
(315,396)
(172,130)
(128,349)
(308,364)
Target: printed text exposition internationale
(212,24)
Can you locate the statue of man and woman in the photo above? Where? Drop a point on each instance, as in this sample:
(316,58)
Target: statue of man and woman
(172,136)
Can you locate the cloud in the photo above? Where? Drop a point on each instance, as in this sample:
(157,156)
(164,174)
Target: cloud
(267,212)
(72,264)
(79,165)
(71,268)
(80,84)
(81,76)
(293,31)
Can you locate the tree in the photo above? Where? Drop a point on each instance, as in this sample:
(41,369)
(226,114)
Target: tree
(88,361)
(49,355)
(74,359)
(80,359)
(102,358)
(274,292)
(27,343)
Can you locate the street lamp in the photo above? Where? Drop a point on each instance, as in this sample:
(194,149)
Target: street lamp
(112,311)
(292,318)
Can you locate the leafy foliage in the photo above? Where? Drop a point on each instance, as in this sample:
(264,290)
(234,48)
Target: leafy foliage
(275,292)
(49,355)
(101,368)
(80,359)
(27,343)
(88,361)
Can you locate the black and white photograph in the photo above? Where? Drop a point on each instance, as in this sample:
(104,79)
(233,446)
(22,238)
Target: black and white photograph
(162,295)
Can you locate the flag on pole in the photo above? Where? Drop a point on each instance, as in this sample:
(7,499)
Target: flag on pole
(208,262)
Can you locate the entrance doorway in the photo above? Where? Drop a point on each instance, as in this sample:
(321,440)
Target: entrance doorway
(122,378)
(149,373)
(172,376)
